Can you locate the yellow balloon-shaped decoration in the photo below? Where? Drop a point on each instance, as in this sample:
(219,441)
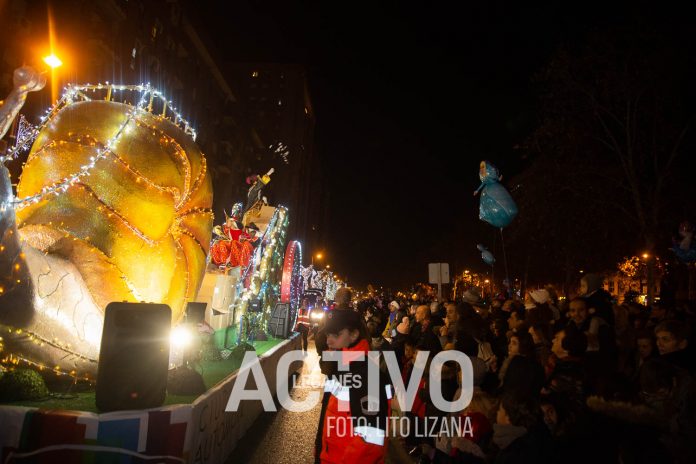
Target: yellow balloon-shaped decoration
(138,226)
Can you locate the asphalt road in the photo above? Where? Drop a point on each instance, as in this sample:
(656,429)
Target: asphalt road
(286,437)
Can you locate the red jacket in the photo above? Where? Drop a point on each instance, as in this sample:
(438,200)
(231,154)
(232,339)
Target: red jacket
(340,441)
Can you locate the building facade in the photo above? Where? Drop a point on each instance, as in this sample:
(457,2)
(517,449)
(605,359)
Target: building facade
(246,122)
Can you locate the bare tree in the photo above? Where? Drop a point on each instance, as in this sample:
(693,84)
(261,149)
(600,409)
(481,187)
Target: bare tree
(616,119)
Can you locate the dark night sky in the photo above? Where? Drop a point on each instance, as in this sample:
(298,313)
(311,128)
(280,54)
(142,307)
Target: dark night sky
(408,100)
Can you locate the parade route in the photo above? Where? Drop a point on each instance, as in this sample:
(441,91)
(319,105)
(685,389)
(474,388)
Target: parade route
(286,437)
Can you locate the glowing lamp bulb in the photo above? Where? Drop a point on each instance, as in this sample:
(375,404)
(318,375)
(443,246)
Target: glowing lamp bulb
(181,337)
(52,60)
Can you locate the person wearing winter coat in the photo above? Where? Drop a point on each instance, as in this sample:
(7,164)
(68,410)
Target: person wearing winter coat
(353,425)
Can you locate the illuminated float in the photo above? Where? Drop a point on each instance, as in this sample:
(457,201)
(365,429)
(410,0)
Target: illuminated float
(114,204)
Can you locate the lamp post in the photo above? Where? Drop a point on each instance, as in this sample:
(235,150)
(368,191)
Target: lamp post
(53,62)
(318,256)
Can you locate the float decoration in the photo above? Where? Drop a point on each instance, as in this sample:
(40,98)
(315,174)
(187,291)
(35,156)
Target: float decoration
(113,204)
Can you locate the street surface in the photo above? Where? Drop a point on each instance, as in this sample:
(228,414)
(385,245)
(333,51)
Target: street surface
(286,437)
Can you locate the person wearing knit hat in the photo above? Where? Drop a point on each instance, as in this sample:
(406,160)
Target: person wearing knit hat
(395,316)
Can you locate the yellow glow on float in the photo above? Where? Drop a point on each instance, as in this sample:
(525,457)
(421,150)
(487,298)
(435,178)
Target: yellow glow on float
(138,199)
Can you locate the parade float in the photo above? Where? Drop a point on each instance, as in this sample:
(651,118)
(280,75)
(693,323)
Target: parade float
(114,205)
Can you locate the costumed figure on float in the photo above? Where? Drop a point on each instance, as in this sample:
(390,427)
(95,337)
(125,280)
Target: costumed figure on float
(257,184)
(232,246)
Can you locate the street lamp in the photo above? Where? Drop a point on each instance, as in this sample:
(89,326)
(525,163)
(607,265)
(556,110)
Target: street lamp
(646,256)
(318,256)
(52,61)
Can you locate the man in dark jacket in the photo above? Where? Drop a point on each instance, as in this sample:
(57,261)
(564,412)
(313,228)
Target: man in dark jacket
(422,331)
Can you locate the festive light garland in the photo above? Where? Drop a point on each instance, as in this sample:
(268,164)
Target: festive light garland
(14,359)
(258,270)
(26,133)
(323,280)
(74,92)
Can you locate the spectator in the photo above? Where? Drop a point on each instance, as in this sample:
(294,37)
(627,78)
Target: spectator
(568,374)
(519,432)
(598,300)
(521,344)
(396,314)
(673,344)
(422,330)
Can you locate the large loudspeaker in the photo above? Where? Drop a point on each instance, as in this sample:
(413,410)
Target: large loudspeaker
(134,356)
(279,323)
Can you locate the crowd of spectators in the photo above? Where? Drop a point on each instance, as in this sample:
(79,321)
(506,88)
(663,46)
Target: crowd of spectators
(555,380)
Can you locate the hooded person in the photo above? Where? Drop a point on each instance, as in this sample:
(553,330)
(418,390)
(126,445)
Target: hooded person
(353,424)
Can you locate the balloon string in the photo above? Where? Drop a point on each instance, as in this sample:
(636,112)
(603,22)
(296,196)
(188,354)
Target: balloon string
(507,277)
(493,268)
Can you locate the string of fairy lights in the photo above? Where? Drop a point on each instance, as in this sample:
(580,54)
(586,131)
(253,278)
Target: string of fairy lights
(77,92)
(25,137)
(261,264)
(323,280)
(13,359)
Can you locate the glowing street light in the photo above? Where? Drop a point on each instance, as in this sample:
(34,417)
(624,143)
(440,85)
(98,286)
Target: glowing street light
(646,256)
(318,256)
(52,61)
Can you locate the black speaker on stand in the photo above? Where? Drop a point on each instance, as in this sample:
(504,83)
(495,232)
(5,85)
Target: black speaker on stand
(134,356)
